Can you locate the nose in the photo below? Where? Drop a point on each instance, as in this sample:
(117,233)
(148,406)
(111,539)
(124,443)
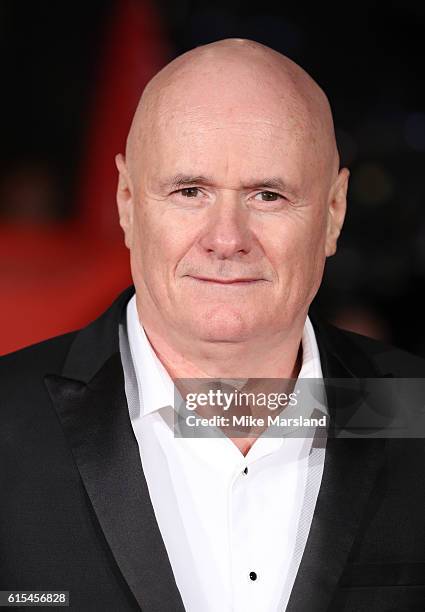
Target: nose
(227,233)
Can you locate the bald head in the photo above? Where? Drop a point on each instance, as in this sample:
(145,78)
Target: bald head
(236,78)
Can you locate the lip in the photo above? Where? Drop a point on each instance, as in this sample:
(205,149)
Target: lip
(232,281)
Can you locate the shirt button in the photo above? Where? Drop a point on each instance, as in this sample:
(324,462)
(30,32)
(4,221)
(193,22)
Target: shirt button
(245,471)
(253,575)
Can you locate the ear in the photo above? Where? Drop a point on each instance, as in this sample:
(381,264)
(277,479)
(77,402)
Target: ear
(125,200)
(336,211)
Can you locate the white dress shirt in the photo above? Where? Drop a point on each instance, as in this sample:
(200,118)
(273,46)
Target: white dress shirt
(234,527)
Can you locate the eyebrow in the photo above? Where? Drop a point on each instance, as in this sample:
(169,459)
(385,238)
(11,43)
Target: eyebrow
(180,180)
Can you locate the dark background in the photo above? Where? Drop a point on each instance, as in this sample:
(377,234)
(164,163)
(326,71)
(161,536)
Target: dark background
(368,57)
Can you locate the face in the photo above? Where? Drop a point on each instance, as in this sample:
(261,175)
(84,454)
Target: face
(230,220)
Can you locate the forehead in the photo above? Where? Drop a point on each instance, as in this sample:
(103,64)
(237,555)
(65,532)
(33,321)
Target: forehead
(231,141)
(230,118)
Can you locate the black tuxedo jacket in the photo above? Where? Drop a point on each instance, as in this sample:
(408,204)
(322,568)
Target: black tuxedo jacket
(75,512)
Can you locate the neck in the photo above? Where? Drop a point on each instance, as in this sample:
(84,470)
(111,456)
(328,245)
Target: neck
(278,356)
(275,355)
(245,360)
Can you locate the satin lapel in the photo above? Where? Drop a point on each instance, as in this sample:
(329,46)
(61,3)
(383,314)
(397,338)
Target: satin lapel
(96,422)
(350,472)
(351,469)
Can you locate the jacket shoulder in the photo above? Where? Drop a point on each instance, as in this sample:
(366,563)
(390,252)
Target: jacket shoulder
(36,359)
(388,358)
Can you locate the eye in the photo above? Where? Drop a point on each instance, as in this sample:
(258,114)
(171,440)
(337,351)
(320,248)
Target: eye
(269,196)
(189,192)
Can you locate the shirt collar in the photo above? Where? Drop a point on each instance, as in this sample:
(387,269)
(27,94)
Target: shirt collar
(310,367)
(155,386)
(156,389)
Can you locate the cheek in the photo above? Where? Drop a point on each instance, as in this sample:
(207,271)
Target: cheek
(161,240)
(146,245)
(312,256)
(292,236)
(296,249)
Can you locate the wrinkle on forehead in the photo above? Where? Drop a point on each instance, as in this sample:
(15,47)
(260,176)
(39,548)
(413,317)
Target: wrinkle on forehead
(235,78)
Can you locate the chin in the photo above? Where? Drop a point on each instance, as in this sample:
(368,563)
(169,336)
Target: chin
(222,325)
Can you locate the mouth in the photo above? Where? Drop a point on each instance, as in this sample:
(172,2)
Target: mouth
(227,281)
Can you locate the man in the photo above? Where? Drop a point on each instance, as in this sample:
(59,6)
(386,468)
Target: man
(231,198)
